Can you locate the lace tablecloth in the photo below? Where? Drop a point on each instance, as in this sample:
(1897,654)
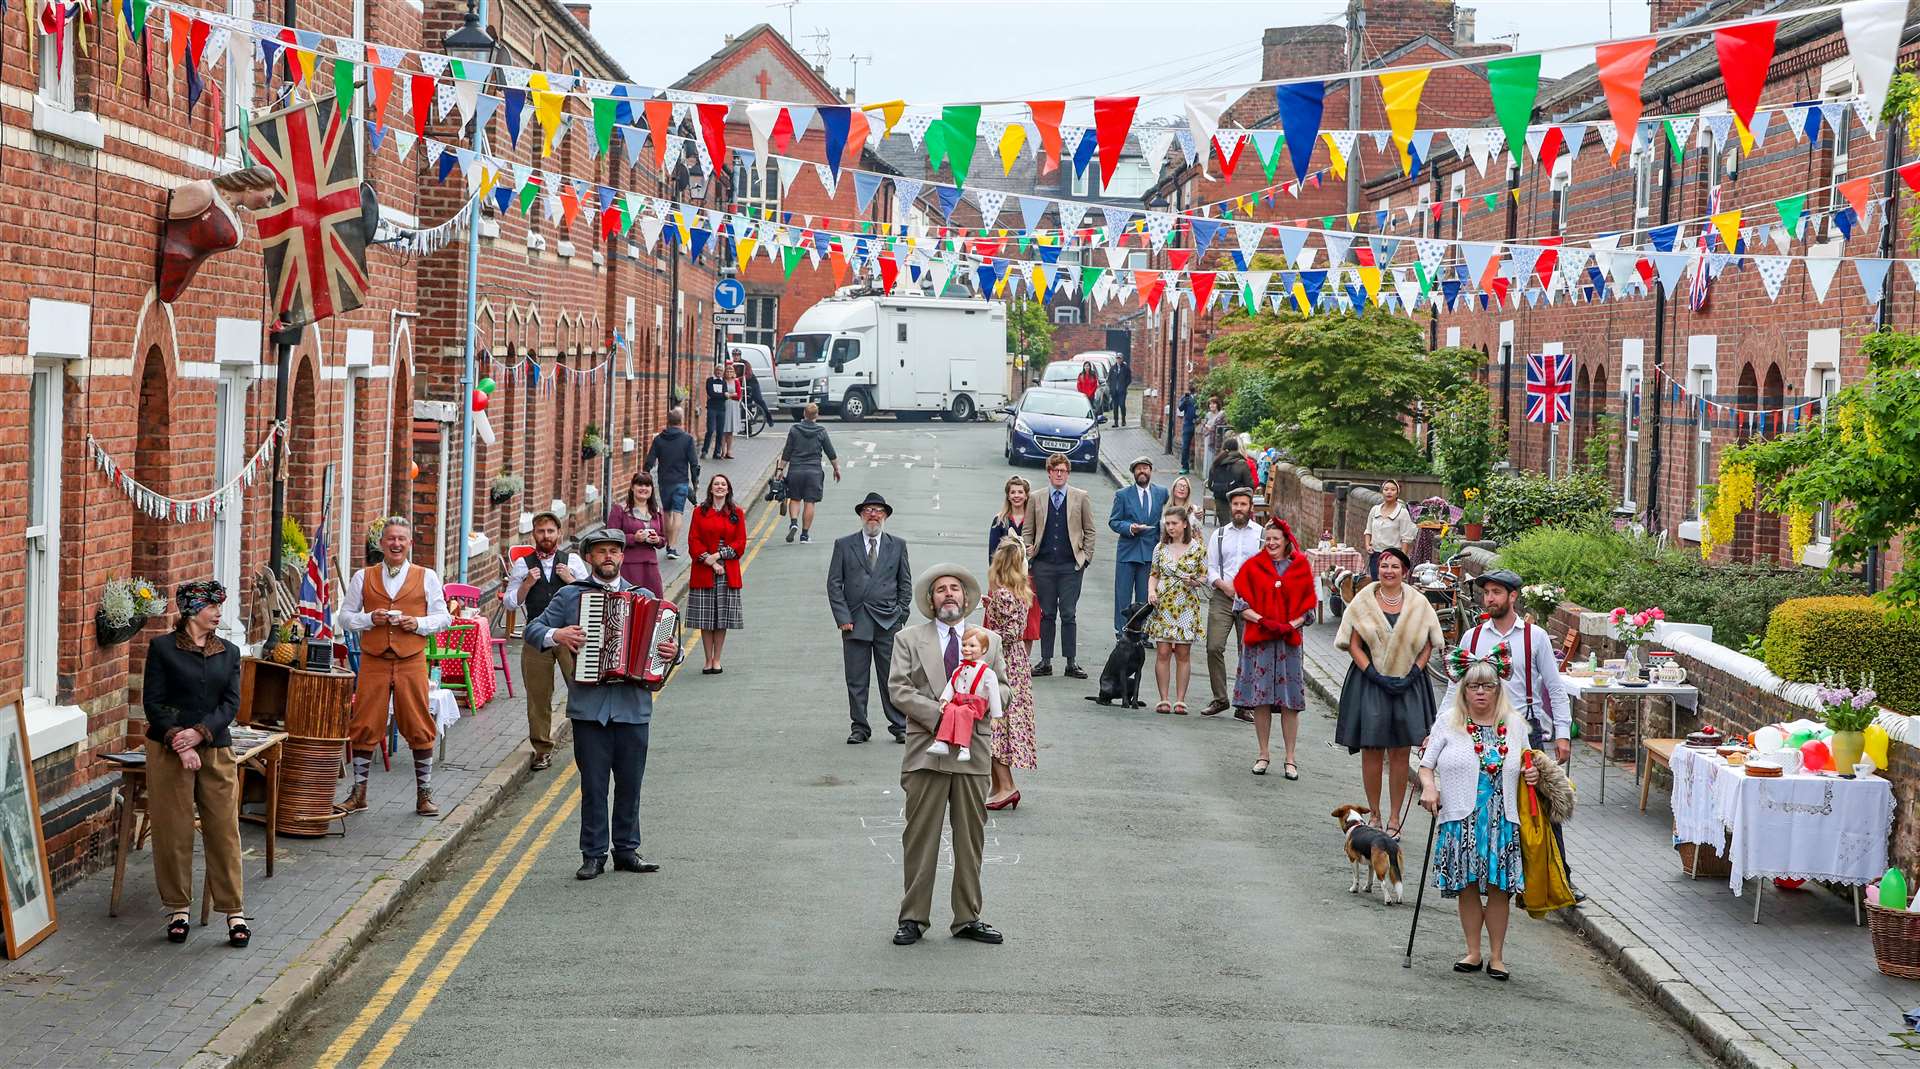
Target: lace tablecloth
(1804,827)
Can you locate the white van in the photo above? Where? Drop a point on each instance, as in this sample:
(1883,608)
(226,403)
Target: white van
(860,355)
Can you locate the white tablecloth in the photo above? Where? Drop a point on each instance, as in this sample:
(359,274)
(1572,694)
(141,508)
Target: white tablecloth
(445,707)
(1804,827)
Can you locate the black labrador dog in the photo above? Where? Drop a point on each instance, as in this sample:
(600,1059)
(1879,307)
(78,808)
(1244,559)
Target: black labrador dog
(1120,679)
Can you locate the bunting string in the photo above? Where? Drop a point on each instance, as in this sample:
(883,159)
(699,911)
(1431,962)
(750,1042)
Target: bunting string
(1762,420)
(184,509)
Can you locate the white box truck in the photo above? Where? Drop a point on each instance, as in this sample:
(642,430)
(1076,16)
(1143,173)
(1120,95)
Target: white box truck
(866,354)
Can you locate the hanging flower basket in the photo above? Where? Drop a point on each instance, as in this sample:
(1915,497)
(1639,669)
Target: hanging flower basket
(125,607)
(504,488)
(110,634)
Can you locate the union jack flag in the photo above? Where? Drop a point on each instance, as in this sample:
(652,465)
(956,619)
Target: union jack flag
(1697,284)
(314,594)
(1549,388)
(314,236)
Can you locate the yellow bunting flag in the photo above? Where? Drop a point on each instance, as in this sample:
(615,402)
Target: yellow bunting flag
(1746,136)
(890,111)
(1370,278)
(1336,160)
(743,249)
(1010,145)
(1301,298)
(1353,220)
(1727,225)
(546,108)
(1400,92)
(1039,276)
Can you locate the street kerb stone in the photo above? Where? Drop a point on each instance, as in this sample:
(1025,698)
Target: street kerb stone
(253,1032)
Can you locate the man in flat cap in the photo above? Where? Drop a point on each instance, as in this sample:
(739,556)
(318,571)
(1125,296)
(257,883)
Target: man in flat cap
(1135,517)
(941,788)
(610,720)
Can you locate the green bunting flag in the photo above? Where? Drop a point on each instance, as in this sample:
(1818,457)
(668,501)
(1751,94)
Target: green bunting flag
(962,123)
(605,112)
(791,256)
(1493,201)
(1790,209)
(1673,141)
(1420,273)
(343,86)
(1090,275)
(1514,83)
(1270,163)
(528,193)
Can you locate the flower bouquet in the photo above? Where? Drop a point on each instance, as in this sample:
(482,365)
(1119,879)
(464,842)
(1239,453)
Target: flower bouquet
(125,607)
(1848,712)
(1634,629)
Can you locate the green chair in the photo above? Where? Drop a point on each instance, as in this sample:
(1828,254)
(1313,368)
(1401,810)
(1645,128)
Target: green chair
(439,656)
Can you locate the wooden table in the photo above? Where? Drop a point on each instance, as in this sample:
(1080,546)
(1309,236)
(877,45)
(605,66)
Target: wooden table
(1659,752)
(253,749)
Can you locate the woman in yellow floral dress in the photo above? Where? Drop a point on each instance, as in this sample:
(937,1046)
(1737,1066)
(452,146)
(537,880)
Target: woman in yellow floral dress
(1176,585)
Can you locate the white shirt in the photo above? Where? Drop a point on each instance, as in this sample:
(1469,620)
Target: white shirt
(946,630)
(873,544)
(518,574)
(352,618)
(1228,548)
(988,688)
(1484,638)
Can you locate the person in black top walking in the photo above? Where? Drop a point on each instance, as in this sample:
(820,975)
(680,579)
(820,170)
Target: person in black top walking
(716,409)
(1118,380)
(679,468)
(1189,416)
(190,696)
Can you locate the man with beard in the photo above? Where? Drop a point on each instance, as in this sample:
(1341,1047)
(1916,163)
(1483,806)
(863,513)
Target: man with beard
(941,787)
(394,605)
(870,590)
(610,720)
(532,582)
(1135,517)
(1229,547)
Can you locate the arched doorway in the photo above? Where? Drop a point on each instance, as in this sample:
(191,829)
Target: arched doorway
(1600,414)
(1582,428)
(155,540)
(400,440)
(1768,544)
(1746,399)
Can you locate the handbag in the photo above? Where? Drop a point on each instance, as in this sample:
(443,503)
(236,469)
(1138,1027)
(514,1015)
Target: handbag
(777,488)
(1546,876)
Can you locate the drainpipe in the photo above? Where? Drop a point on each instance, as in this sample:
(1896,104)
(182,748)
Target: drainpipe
(283,343)
(1659,341)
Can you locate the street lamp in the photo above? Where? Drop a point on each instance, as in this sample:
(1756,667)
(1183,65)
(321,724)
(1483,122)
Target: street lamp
(471,43)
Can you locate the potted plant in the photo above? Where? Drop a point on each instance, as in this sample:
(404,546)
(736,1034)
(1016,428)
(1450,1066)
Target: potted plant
(1538,600)
(125,607)
(1472,512)
(1848,712)
(293,548)
(505,487)
(373,554)
(591,443)
(1634,628)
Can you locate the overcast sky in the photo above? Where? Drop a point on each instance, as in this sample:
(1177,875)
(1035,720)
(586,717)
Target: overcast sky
(927,51)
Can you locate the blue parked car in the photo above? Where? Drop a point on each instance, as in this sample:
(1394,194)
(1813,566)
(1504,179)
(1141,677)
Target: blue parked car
(1047,421)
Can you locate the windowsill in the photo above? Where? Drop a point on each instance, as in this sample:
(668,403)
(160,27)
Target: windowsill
(52,728)
(1690,531)
(80,128)
(1817,555)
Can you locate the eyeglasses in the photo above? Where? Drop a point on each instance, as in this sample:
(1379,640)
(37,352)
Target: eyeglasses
(1483,686)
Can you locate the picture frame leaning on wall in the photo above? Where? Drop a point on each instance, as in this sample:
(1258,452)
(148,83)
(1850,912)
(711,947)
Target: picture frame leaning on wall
(26,885)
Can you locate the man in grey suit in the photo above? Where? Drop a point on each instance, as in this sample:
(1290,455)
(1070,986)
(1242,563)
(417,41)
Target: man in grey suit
(610,720)
(941,787)
(870,589)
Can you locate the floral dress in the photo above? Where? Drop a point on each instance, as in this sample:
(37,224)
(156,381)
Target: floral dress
(1013,743)
(1483,848)
(1180,607)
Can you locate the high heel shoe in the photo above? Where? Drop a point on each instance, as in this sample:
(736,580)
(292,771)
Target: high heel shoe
(1011,801)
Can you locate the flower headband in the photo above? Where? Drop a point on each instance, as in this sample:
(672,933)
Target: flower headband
(1459,662)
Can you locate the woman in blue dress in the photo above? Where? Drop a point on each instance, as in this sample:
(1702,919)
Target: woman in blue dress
(1469,776)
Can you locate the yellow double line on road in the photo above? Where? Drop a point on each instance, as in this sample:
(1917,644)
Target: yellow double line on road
(417,955)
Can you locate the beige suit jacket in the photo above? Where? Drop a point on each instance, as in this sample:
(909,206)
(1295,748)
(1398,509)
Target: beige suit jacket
(917,676)
(1080,526)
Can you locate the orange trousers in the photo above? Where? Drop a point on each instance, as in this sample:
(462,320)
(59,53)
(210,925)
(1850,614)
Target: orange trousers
(404,684)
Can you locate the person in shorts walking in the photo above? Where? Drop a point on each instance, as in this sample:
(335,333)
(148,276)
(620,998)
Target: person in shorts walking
(677,460)
(800,462)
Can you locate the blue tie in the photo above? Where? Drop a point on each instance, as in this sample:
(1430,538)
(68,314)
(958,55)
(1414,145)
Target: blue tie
(1059,499)
(953,650)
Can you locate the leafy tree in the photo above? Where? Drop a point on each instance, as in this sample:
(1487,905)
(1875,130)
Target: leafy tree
(1030,333)
(1467,440)
(1339,386)
(1865,456)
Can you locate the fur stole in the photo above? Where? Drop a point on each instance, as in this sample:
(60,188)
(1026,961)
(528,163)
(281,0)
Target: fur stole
(1393,648)
(1555,789)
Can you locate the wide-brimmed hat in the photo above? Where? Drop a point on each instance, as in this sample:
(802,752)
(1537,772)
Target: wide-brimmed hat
(612,535)
(923,589)
(873,499)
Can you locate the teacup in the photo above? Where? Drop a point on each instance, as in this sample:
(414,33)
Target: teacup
(1865,768)
(1790,760)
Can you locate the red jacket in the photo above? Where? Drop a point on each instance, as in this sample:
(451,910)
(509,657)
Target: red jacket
(1279,597)
(709,530)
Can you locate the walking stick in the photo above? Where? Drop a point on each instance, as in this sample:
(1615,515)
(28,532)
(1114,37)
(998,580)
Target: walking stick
(1420,894)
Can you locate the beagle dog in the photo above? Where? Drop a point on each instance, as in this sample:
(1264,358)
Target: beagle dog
(1373,850)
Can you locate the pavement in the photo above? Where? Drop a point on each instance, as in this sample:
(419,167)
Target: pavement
(112,992)
(1798,989)
(1161,906)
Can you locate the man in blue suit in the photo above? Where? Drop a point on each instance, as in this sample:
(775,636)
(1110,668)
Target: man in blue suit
(1136,519)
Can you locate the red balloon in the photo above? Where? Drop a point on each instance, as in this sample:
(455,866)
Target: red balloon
(479,401)
(1817,757)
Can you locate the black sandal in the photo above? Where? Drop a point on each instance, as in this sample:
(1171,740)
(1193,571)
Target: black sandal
(178,925)
(238,934)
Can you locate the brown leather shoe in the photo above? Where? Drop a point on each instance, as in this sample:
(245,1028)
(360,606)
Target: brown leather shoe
(1215,707)
(423,804)
(356,799)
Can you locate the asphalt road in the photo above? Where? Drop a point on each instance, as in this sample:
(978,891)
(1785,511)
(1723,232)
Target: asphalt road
(1161,905)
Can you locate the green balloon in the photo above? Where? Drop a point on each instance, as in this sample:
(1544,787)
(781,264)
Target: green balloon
(487,385)
(1893,890)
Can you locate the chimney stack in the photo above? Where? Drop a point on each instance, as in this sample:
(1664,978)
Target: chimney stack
(581,12)
(1463,26)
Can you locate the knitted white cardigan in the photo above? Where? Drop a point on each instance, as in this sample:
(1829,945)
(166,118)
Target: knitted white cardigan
(1456,767)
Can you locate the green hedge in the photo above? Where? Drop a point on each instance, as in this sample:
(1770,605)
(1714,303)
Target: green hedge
(1807,637)
(1582,561)
(1520,501)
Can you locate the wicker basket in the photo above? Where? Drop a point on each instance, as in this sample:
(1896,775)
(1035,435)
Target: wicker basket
(1896,941)
(1711,862)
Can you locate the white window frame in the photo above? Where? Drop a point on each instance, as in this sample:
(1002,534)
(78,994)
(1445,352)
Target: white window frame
(1822,381)
(1560,182)
(1703,352)
(45,438)
(1837,81)
(237,95)
(1632,397)
(54,80)
(1643,184)
(230,428)
(756,187)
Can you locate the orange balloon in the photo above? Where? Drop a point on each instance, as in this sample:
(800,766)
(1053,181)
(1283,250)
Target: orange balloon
(413,470)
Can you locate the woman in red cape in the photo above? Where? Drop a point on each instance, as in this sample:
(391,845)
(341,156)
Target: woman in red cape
(1274,594)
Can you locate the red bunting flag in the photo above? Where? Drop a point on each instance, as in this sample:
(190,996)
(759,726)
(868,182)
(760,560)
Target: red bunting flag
(569,204)
(421,86)
(1151,286)
(1228,161)
(1856,190)
(1112,118)
(782,131)
(713,130)
(382,82)
(660,121)
(1177,258)
(1623,66)
(1910,174)
(1549,256)
(1202,290)
(889,272)
(1745,53)
(1551,143)
(857,130)
(1046,118)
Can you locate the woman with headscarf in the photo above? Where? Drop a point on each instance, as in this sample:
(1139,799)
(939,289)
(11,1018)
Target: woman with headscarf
(1274,594)
(190,696)
(1386,707)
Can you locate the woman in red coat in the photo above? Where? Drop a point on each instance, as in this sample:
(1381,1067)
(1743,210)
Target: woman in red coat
(1088,383)
(716,539)
(1275,595)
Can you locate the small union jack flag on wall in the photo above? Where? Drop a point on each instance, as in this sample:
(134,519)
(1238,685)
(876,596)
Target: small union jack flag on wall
(314,237)
(1549,388)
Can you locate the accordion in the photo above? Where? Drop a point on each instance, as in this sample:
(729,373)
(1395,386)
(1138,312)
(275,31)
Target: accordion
(623,628)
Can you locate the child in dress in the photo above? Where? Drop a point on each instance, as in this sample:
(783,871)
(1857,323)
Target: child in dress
(972,692)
